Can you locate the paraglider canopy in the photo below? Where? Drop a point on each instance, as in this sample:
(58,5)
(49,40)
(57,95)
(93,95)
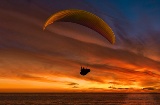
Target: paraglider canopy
(83,18)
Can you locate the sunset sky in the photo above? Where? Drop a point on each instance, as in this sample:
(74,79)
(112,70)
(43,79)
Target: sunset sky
(33,60)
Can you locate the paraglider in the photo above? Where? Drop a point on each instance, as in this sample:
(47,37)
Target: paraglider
(84,71)
(86,19)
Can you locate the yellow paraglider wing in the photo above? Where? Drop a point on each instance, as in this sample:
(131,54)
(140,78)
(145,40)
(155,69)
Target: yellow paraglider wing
(83,18)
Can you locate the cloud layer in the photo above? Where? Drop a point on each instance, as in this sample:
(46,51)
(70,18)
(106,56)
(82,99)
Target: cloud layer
(54,56)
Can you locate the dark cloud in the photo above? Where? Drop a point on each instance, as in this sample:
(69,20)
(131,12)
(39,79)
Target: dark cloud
(119,88)
(112,87)
(148,88)
(122,88)
(75,87)
(73,83)
(94,88)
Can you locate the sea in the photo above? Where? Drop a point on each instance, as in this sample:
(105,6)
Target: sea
(79,99)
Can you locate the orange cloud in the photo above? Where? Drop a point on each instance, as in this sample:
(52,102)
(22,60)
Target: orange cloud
(50,60)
